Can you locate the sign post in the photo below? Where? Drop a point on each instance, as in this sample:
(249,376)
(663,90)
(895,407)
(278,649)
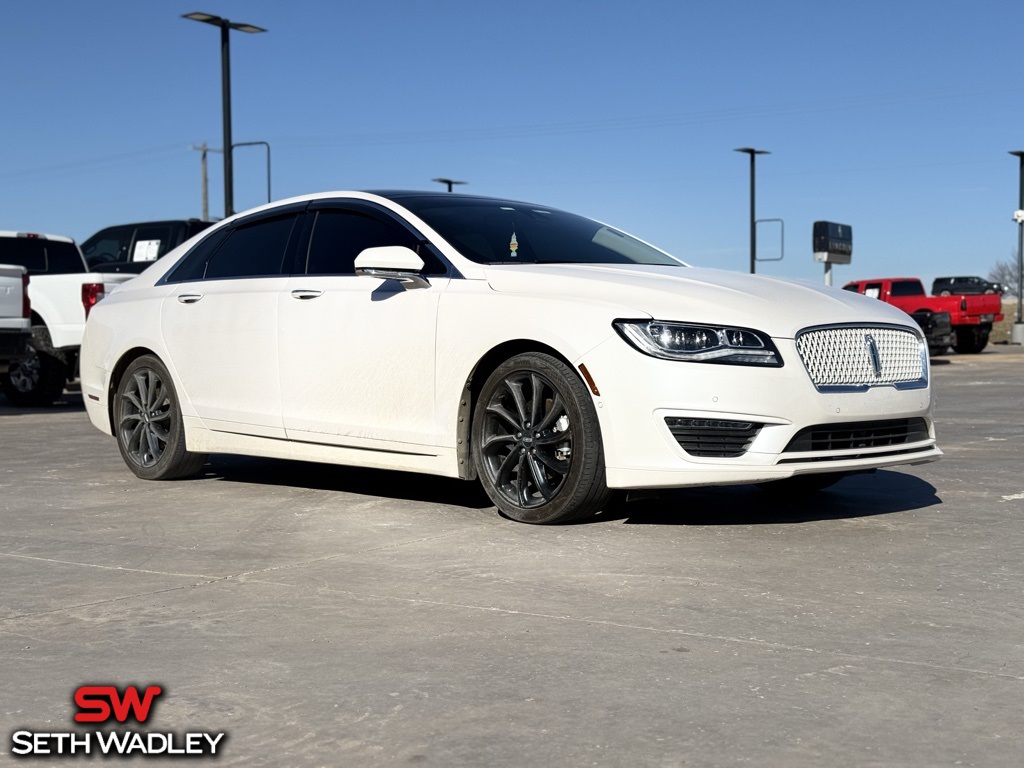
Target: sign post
(833,244)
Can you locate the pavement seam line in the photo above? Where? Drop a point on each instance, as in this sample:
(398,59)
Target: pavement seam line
(107,567)
(685,633)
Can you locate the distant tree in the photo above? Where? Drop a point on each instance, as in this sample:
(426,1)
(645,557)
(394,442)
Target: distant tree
(1005,272)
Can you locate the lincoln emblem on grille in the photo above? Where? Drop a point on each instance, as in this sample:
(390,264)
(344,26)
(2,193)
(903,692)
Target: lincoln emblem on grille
(876,359)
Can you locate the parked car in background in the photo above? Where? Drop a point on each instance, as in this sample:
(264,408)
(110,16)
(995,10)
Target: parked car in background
(957,286)
(61,291)
(971,317)
(549,355)
(133,247)
(15,314)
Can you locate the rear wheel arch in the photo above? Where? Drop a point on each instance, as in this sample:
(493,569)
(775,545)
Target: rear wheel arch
(117,374)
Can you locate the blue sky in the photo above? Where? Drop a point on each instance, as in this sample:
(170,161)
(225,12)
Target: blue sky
(893,117)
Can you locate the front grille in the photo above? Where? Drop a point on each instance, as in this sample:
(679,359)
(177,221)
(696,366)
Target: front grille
(713,437)
(858,434)
(852,358)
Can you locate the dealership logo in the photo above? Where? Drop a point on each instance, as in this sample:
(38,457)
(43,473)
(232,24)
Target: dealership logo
(110,705)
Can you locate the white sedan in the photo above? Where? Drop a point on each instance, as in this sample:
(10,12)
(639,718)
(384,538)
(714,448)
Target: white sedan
(552,357)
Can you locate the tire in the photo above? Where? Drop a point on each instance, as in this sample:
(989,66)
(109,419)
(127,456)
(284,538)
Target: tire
(38,377)
(802,485)
(945,293)
(537,442)
(148,424)
(970,341)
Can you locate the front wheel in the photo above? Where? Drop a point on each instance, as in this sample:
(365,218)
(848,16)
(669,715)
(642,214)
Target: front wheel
(537,442)
(148,424)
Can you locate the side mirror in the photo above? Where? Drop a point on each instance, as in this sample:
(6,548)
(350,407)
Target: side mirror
(392,262)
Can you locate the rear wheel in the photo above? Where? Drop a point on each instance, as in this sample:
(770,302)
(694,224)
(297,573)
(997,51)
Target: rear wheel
(148,424)
(37,377)
(537,442)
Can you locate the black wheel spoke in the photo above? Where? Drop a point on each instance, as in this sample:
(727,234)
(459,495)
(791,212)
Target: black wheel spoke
(515,388)
(537,399)
(499,410)
(561,467)
(539,478)
(503,475)
(556,411)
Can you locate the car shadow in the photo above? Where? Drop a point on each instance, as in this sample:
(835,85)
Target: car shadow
(69,401)
(866,495)
(406,486)
(881,493)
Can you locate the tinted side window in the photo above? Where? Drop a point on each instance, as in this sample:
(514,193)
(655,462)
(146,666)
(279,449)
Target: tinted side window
(339,236)
(253,251)
(41,257)
(906,289)
(110,244)
(194,265)
(151,243)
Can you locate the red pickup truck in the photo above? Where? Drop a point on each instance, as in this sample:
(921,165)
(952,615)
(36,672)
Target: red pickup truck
(970,316)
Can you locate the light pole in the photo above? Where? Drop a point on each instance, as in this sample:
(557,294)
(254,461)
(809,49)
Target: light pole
(225,74)
(753,221)
(255,144)
(449,182)
(1017,333)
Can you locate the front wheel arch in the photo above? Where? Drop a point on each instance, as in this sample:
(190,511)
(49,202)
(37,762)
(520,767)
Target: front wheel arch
(484,367)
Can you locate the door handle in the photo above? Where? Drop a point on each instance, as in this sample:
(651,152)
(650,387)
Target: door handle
(305,294)
(190,298)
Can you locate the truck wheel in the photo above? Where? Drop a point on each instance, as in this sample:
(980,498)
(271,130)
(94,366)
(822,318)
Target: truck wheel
(38,377)
(970,341)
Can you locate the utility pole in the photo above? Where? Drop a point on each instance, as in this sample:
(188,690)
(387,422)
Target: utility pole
(206,181)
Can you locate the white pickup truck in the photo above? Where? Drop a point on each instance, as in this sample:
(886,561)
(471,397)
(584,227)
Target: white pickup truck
(14,313)
(61,291)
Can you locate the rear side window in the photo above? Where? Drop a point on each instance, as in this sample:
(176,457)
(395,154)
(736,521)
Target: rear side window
(907,288)
(40,256)
(254,250)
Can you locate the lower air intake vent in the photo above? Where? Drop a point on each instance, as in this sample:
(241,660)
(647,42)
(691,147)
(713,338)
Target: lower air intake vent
(858,434)
(713,437)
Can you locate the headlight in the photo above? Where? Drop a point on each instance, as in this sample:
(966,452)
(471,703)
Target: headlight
(700,343)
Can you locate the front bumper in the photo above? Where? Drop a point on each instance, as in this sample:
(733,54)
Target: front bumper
(639,393)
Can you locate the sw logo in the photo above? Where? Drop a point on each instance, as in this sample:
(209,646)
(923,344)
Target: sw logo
(109,704)
(98,703)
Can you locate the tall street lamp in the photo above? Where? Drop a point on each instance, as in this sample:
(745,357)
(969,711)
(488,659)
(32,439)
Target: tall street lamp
(753,222)
(1017,333)
(449,182)
(225,73)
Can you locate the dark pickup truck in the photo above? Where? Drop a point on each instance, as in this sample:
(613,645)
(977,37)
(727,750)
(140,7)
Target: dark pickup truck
(133,247)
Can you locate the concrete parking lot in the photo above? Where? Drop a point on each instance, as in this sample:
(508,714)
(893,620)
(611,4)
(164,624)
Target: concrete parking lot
(330,616)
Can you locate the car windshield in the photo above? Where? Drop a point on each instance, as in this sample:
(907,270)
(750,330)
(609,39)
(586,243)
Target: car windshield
(501,232)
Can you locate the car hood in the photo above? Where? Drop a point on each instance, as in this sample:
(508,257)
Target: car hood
(778,307)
